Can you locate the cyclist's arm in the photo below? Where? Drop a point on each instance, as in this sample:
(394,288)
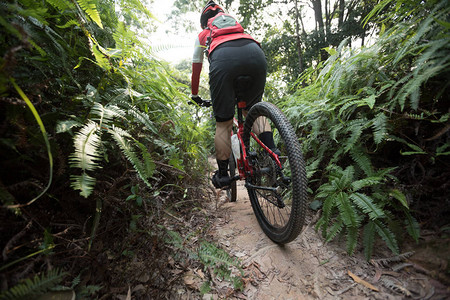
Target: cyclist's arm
(197,62)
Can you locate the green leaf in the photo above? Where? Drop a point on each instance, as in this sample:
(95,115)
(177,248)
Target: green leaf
(352,239)
(362,159)
(61,4)
(440,149)
(412,226)
(90,7)
(330,50)
(411,152)
(44,135)
(367,205)
(397,194)
(69,24)
(445,24)
(346,210)
(145,169)
(387,236)
(87,145)
(334,230)
(370,101)
(36,286)
(67,125)
(368,181)
(379,124)
(315,205)
(369,239)
(83,183)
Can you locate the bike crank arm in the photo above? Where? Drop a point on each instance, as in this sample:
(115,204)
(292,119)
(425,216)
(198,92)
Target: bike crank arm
(265,188)
(279,202)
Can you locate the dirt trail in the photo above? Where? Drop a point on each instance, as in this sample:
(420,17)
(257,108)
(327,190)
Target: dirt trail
(306,268)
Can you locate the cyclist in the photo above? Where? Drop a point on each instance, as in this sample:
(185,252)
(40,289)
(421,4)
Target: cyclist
(230,55)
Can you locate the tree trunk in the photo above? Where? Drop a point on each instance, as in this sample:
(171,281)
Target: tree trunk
(297,35)
(317,6)
(341,13)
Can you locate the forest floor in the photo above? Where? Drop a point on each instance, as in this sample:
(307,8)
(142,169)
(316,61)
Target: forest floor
(309,269)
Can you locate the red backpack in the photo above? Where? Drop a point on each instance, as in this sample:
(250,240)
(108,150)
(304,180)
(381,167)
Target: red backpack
(222,24)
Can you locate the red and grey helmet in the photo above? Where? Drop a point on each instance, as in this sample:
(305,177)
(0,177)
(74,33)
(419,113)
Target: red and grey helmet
(210,10)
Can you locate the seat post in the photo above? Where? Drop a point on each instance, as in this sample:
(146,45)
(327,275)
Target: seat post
(240,106)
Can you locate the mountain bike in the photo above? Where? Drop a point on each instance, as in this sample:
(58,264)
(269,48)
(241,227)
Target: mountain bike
(274,178)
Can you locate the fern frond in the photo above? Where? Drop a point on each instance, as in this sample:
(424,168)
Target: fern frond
(83,183)
(212,256)
(90,7)
(355,129)
(148,165)
(369,101)
(334,230)
(412,226)
(143,118)
(328,204)
(368,181)
(66,126)
(61,4)
(379,124)
(367,205)
(105,114)
(121,137)
(34,287)
(325,190)
(87,143)
(397,194)
(346,210)
(345,179)
(68,24)
(416,149)
(387,236)
(362,159)
(352,239)
(96,51)
(368,239)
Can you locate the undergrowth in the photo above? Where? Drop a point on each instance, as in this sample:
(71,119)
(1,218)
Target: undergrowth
(98,135)
(374,122)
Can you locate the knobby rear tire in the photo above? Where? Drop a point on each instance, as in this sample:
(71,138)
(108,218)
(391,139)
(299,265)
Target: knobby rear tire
(280,224)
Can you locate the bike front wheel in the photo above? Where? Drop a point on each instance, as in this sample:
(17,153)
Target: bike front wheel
(278,195)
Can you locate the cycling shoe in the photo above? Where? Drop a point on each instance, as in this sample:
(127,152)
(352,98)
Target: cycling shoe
(220,181)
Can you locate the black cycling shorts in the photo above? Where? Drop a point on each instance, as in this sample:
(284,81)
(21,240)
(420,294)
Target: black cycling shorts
(228,61)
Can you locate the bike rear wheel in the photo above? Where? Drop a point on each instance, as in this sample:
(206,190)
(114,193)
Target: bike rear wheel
(232,191)
(278,196)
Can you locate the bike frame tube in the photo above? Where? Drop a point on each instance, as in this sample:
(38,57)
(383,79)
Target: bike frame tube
(243,164)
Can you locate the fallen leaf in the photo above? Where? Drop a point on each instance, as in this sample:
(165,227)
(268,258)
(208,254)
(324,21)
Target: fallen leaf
(361,281)
(200,273)
(191,280)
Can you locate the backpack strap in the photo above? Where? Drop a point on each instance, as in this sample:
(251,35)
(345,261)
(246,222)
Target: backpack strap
(208,42)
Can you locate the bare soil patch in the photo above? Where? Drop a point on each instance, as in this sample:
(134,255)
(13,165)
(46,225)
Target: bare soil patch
(309,269)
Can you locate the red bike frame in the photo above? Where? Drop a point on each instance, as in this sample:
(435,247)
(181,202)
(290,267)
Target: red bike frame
(243,164)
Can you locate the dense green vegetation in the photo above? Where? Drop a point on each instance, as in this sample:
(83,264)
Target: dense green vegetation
(100,149)
(374,123)
(94,131)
